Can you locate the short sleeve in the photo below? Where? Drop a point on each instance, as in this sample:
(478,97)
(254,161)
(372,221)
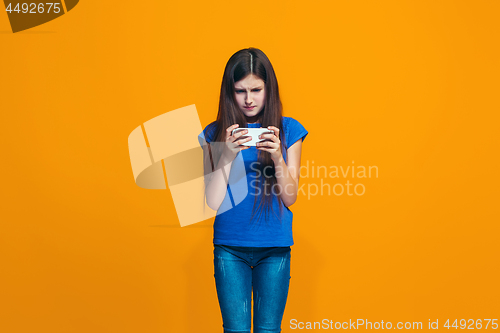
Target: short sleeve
(295,132)
(202,137)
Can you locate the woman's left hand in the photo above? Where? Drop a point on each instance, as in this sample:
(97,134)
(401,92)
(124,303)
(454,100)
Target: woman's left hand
(272,143)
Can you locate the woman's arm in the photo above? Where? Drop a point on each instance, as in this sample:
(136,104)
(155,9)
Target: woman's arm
(216,182)
(288,175)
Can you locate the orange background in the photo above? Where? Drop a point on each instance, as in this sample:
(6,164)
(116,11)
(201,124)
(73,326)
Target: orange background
(410,87)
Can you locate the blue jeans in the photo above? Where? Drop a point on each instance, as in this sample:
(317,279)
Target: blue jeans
(238,271)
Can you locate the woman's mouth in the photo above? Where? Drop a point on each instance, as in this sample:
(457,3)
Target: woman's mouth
(249,108)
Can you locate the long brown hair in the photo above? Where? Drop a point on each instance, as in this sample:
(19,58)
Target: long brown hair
(240,65)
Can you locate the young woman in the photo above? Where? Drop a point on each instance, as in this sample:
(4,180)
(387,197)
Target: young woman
(253,226)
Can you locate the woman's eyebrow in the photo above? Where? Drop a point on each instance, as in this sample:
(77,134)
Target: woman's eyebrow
(259,87)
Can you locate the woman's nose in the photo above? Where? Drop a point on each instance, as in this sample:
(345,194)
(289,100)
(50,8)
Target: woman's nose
(248,100)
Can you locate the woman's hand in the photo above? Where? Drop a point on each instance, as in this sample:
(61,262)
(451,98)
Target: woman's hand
(233,142)
(272,144)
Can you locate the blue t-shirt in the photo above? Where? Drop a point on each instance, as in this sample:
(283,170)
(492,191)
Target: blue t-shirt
(232,225)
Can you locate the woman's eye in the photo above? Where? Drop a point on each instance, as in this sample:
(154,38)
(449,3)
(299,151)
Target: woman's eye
(257,90)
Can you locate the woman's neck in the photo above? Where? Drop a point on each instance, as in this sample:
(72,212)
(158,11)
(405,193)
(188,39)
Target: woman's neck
(253,120)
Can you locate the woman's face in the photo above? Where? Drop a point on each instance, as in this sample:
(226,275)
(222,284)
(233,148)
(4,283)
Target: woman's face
(250,94)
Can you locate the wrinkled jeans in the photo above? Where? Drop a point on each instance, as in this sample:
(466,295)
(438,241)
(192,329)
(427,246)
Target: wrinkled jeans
(238,271)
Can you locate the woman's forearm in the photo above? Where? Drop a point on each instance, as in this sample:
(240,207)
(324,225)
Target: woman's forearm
(287,185)
(216,183)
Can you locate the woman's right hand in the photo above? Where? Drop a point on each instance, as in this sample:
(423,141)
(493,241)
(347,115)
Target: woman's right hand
(233,142)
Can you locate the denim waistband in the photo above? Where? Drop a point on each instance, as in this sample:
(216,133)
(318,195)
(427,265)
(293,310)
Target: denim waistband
(249,248)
